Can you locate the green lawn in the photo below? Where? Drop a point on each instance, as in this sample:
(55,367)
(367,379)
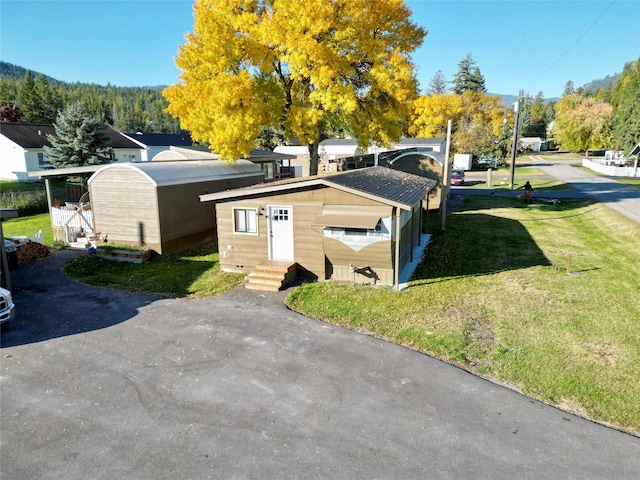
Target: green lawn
(493,295)
(28,226)
(500,178)
(194,274)
(633,182)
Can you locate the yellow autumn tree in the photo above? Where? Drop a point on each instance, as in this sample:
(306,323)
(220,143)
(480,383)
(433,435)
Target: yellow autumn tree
(291,64)
(477,119)
(429,114)
(582,123)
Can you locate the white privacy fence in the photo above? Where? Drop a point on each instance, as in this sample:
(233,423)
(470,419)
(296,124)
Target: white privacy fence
(72,221)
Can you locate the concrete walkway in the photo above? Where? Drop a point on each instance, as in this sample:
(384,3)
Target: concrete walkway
(100,384)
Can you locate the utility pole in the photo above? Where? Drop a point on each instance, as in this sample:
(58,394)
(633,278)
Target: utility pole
(446,180)
(514,148)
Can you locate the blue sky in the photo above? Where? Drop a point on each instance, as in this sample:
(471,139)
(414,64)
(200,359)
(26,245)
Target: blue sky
(517,44)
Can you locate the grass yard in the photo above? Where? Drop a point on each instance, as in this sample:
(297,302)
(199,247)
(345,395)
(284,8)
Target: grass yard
(194,274)
(501,182)
(633,182)
(28,226)
(493,295)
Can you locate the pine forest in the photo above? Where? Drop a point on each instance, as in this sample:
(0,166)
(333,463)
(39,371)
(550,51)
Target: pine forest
(128,109)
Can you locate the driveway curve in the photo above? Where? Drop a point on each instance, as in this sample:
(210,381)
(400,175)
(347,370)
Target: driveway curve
(100,384)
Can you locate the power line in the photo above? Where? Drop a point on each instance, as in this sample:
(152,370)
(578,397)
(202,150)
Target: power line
(574,43)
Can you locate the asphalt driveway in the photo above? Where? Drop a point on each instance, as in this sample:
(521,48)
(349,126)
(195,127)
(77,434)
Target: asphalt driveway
(98,384)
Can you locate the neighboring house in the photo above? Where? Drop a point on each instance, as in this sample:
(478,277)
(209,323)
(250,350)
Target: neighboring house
(300,156)
(535,144)
(332,151)
(22,149)
(437,144)
(156,204)
(421,161)
(153,143)
(275,165)
(360,226)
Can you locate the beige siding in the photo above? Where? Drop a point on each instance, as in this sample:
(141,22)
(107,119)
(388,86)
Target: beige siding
(242,252)
(342,273)
(345,262)
(131,210)
(124,204)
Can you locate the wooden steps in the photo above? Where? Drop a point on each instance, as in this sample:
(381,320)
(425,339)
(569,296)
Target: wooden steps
(271,276)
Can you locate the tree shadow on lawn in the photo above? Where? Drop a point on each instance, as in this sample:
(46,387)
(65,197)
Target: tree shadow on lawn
(482,244)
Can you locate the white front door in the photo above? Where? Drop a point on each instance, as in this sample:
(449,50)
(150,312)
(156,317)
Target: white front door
(280,232)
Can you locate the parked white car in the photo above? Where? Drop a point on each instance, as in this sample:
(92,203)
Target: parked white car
(7,308)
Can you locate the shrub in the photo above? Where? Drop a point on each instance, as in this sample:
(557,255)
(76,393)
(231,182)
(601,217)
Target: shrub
(27,203)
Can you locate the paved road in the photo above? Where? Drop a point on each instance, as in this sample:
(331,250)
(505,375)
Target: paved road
(98,384)
(622,198)
(618,196)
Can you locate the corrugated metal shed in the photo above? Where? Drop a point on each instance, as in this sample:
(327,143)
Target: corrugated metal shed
(162,174)
(156,204)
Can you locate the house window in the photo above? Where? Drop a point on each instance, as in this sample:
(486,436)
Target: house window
(381,231)
(42,160)
(280,214)
(268,170)
(245,220)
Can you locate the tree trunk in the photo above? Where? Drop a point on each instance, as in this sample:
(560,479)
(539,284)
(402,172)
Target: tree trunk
(314,155)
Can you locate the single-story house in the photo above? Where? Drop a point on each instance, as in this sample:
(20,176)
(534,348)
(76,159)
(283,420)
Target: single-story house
(22,149)
(361,225)
(153,143)
(157,205)
(535,144)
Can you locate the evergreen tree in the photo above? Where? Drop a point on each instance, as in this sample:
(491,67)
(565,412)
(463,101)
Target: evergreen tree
(568,88)
(5,92)
(37,100)
(468,77)
(50,101)
(626,107)
(437,84)
(78,141)
(29,100)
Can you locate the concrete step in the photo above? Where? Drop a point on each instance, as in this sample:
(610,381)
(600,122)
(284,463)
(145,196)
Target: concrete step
(271,276)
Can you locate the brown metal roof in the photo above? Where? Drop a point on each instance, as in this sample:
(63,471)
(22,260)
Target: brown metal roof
(383,184)
(394,185)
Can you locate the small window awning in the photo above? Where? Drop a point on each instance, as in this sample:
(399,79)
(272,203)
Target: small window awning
(352,216)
